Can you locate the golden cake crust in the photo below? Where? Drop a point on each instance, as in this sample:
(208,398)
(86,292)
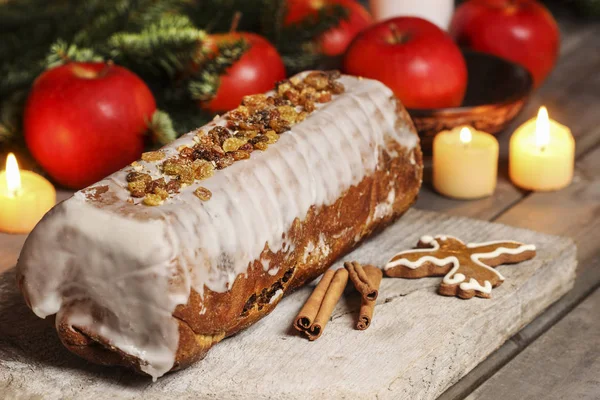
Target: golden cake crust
(206,320)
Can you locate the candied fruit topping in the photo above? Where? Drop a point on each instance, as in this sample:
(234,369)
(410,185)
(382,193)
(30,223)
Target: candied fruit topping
(254,125)
(261,146)
(203,169)
(203,193)
(137,188)
(233,143)
(153,200)
(240,155)
(272,137)
(151,156)
(138,176)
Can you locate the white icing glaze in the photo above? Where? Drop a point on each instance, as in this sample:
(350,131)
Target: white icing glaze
(265,264)
(135,264)
(310,247)
(452,277)
(322,247)
(276,296)
(385,209)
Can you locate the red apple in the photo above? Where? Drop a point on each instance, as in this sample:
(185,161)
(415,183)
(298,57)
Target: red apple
(335,41)
(522,31)
(256,71)
(84,121)
(415,58)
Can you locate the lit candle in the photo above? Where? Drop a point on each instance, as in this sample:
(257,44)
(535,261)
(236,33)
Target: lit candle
(437,11)
(24,198)
(465,163)
(542,154)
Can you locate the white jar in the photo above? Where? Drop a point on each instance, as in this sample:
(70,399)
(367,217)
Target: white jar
(437,11)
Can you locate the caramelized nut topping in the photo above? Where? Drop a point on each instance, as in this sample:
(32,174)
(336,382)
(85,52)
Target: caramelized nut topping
(151,156)
(203,193)
(255,124)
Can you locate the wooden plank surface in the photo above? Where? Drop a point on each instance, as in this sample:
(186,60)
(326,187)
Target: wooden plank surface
(572,94)
(420,343)
(559,365)
(573,212)
(586,283)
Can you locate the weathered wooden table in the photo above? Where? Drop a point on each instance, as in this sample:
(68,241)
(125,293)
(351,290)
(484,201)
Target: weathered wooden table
(558,354)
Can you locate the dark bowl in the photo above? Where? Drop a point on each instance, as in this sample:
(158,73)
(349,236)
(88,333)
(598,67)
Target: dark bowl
(496,92)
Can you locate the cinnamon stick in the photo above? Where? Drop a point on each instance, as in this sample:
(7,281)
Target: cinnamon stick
(309,311)
(367,307)
(334,292)
(361,281)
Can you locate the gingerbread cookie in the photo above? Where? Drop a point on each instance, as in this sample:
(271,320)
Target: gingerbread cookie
(467,268)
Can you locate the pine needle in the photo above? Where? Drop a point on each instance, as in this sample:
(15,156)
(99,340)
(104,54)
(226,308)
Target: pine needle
(161,128)
(62,53)
(205,83)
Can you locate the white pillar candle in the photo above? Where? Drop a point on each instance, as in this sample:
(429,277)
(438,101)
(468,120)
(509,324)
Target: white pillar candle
(542,154)
(465,163)
(437,11)
(24,198)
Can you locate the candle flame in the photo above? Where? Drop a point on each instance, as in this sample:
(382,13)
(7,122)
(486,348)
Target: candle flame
(542,128)
(13,176)
(465,135)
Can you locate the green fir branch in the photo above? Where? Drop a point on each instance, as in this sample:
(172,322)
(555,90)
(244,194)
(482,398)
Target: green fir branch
(161,128)
(63,53)
(17,76)
(150,11)
(272,19)
(310,27)
(205,83)
(167,46)
(102,19)
(296,42)
(11,117)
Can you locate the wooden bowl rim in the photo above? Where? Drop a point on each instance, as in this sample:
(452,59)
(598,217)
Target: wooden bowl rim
(519,96)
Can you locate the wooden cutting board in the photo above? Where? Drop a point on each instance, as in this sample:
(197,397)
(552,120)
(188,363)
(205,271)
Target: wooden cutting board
(418,345)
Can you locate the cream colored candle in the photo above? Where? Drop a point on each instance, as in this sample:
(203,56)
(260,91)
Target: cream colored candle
(465,163)
(24,198)
(542,154)
(437,11)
